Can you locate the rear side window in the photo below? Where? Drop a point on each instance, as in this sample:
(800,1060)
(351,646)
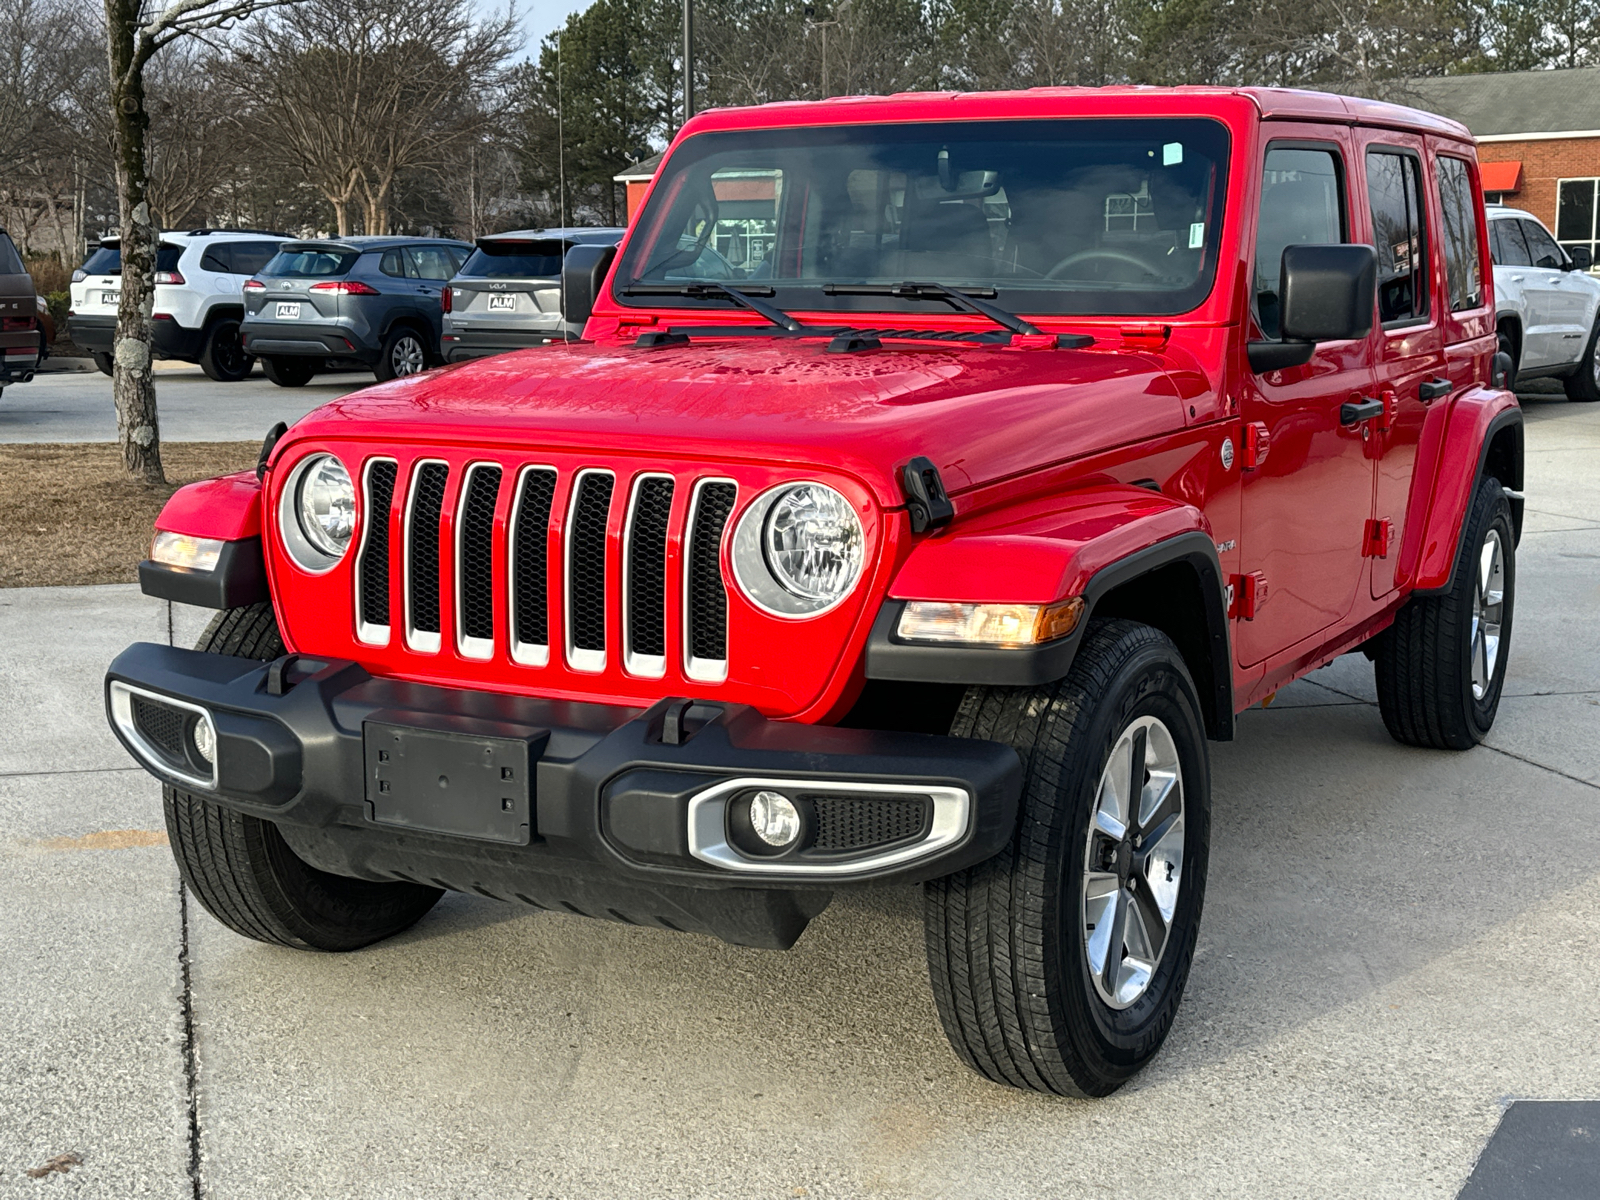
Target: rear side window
(540,259)
(1507,246)
(1542,247)
(249,257)
(392,264)
(10,260)
(1394,189)
(430,262)
(311,264)
(218,258)
(1462,254)
(1301,203)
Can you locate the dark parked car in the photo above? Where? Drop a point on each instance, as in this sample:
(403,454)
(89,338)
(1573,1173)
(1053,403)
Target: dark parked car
(19,327)
(509,293)
(351,302)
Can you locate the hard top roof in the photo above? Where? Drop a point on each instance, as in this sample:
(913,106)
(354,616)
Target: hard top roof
(1046,102)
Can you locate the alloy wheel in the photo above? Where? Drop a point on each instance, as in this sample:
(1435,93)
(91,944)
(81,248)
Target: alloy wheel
(1133,864)
(406,358)
(1488,612)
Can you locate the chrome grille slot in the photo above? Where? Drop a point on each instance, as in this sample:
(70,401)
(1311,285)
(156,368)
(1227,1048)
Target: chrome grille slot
(644,580)
(530,567)
(475,561)
(705,592)
(372,569)
(424,507)
(587,525)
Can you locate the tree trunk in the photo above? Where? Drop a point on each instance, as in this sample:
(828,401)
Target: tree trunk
(341,215)
(132,382)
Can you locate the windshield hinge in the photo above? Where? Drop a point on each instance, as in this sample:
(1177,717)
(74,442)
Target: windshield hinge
(926,502)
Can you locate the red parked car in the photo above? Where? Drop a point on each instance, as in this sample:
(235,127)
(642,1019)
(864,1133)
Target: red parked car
(1038,435)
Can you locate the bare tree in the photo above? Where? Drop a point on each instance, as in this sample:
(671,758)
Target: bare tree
(136,31)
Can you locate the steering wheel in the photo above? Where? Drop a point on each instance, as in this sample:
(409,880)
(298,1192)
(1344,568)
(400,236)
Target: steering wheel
(1114,256)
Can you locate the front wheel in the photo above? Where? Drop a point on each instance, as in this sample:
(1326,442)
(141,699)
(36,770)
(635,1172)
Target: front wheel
(245,874)
(1584,383)
(403,354)
(1442,664)
(1059,964)
(223,357)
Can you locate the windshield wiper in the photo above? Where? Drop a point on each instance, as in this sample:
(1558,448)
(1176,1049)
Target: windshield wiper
(706,291)
(965,301)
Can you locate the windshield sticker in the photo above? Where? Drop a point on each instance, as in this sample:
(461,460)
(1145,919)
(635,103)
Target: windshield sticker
(1172,154)
(1197,235)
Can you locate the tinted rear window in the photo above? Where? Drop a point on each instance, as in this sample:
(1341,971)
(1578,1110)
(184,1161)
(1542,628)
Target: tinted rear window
(516,260)
(107,260)
(311,264)
(10,261)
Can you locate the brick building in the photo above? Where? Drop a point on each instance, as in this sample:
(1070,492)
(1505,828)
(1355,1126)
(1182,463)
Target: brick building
(1538,141)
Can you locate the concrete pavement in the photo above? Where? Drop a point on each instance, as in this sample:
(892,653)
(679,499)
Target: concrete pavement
(76,406)
(1396,943)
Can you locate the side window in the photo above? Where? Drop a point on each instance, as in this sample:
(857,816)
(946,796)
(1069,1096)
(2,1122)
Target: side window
(1462,255)
(10,260)
(429,262)
(218,258)
(1575,214)
(249,257)
(1394,190)
(1542,247)
(391,264)
(1302,203)
(1509,248)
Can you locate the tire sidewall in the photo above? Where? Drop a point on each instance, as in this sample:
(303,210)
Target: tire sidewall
(387,369)
(1490,510)
(215,359)
(1150,683)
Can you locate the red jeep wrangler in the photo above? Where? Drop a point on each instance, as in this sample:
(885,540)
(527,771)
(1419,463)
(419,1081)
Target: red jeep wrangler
(938,474)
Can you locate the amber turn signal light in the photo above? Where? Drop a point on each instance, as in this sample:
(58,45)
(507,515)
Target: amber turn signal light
(1008,625)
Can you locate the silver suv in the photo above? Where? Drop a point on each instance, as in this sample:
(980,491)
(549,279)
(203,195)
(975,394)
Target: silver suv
(1547,305)
(199,300)
(508,295)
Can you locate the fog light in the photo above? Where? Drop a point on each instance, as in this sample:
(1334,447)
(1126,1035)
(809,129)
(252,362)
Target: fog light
(205,740)
(774,818)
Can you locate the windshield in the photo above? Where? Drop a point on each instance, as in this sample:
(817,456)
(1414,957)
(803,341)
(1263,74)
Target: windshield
(311,264)
(1108,216)
(535,259)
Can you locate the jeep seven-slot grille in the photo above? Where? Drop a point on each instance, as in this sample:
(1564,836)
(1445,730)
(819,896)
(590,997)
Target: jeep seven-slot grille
(477,553)
(530,565)
(586,562)
(423,544)
(708,595)
(647,567)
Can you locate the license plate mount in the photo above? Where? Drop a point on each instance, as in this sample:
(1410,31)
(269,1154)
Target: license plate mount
(288,312)
(452,781)
(502,303)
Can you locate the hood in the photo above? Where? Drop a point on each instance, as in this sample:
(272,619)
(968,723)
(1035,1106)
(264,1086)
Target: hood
(980,414)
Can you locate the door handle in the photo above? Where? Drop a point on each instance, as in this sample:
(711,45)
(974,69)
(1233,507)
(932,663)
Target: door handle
(1352,414)
(1518,278)
(1431,389)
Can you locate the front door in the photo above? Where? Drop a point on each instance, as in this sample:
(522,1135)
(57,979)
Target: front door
(1410,350)
(1563,295)
(1306,502)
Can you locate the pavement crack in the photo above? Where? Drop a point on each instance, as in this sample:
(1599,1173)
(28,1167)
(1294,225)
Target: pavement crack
(66,771)
(190,1063)
(1543,767)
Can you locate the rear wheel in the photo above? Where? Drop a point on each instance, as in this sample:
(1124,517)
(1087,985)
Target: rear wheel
(102,360)
(244,873)
(223,357)
(1058,965)
(289,372)
(1442,664)
(403,354)
(1584,383)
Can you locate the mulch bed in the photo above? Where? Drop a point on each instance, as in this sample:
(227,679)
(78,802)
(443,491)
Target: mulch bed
(68,515)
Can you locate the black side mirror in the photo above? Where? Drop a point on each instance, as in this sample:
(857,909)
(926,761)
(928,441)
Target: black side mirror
(583,274)
(1327,293)
(1580,259)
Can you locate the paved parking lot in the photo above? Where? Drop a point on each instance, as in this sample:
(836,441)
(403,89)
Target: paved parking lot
(75,406)
(1396,944)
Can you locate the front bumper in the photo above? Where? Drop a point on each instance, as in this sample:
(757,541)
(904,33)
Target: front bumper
(623,813)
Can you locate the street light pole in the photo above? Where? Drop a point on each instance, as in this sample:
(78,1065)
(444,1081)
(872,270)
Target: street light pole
(688,60)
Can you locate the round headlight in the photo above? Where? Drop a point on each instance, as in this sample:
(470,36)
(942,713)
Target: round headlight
(326,505)
(812,543)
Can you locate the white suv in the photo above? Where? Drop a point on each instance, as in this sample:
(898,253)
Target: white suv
(1546,303)
(199,297)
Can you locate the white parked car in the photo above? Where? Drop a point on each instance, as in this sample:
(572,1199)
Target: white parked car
(1546,303)
(199,298)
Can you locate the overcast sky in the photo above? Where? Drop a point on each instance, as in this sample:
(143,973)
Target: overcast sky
(537,17)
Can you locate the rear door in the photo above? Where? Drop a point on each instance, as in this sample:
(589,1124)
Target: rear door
(1307,499)
(431,268)
(1410,334)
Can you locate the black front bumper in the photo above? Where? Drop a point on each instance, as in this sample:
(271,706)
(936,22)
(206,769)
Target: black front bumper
(614,819)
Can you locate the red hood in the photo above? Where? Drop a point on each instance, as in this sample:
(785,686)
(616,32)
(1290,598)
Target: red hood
(979,413)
